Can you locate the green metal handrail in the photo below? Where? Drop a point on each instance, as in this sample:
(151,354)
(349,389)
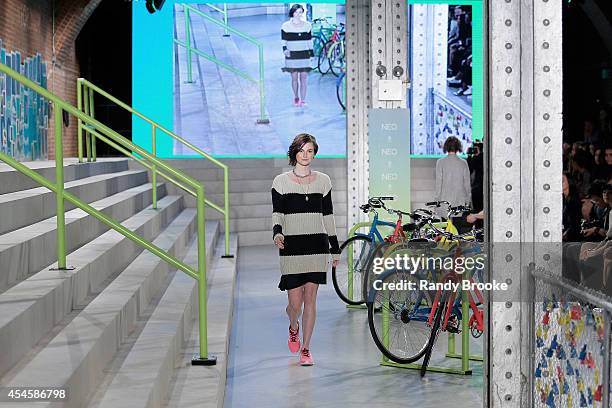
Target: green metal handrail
(223,11)
(87,89)
(187,44)
(105,133)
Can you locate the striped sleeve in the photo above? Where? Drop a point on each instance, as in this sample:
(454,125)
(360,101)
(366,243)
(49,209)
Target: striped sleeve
(278,211)
(284,40)
(330,223)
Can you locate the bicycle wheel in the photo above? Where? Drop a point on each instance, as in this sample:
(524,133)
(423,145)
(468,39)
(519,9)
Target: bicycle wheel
(323,60)
(435,330)
(341,91)
(379,249)
(348,275)
(336,58)
(400,328)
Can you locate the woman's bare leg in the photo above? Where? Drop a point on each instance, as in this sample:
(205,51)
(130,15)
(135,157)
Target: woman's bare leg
(310,311)
(303,85)
(294,308)
(294,85)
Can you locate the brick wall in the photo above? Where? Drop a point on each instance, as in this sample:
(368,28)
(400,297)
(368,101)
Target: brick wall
(29,26)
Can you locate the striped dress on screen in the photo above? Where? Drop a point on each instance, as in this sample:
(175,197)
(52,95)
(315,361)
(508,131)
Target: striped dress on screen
(308,227)
(298,40)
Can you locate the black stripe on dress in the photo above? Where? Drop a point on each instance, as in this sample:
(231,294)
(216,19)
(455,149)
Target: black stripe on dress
(306,244)
(277,202)
(295,203)
(302,35)
(296,55)
(327,205)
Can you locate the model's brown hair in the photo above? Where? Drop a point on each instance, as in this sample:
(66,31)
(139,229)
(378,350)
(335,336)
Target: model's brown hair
(299,142)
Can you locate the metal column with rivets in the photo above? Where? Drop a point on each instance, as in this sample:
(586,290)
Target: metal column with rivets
(524,146)
(376,42)
(358,101)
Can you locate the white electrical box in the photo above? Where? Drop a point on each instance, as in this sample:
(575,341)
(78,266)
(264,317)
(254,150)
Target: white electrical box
(390,90)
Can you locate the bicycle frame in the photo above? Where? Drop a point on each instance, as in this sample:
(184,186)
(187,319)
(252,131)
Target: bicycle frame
(374,234)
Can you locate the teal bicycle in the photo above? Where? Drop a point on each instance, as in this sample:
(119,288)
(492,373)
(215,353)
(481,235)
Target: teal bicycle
(350,277)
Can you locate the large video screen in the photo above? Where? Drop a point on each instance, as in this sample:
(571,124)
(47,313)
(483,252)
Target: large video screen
(241,79)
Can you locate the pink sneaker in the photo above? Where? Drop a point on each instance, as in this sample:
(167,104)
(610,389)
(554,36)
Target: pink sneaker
(303,103)
(296,102)
(294,339)
(306,358)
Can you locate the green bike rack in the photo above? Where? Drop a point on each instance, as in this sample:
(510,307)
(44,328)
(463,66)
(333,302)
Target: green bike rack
(464,356)
(84,87)
(263,119)
(103,132)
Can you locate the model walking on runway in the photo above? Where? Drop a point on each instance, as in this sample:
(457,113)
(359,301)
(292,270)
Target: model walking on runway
(296,39)
(304,230)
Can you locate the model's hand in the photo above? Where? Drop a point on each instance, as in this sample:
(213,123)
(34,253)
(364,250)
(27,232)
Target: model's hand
(471,218)
(589,232)
(279,241)
(335,263)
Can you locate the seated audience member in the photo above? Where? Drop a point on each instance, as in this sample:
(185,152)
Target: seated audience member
(608,160)
(595,211)
(580,173)
(571,211)
(595,262)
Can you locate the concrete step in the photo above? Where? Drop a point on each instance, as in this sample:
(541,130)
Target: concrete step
(265,224)
(255,173)
(264,237)
(239,212)
(26,207)
(33,307)
(260,163)
(77,356)
(11,180)
(189,382)
(143,380)
(251,186)
(29,249)
(340,198)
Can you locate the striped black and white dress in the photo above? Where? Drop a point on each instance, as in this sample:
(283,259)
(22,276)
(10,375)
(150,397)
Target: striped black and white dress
(304,215)
(298,40)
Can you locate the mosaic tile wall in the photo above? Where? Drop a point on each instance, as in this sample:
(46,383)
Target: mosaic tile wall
(24,114)
(569,355)
(448,121)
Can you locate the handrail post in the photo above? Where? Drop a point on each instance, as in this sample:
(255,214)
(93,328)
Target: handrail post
(226,34)
(262,97)
(188,42)
(154,168)
(92,114)
(203,358)
(79,121)
(226,212)
(59,196)
(87,134)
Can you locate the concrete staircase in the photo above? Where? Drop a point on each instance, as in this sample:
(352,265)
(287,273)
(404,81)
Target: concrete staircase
(113,329)
(250,197)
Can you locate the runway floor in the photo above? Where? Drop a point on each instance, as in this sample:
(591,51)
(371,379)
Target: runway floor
(263,373)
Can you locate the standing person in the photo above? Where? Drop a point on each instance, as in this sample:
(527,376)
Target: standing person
(453,176)
(304,230)
(296,38)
